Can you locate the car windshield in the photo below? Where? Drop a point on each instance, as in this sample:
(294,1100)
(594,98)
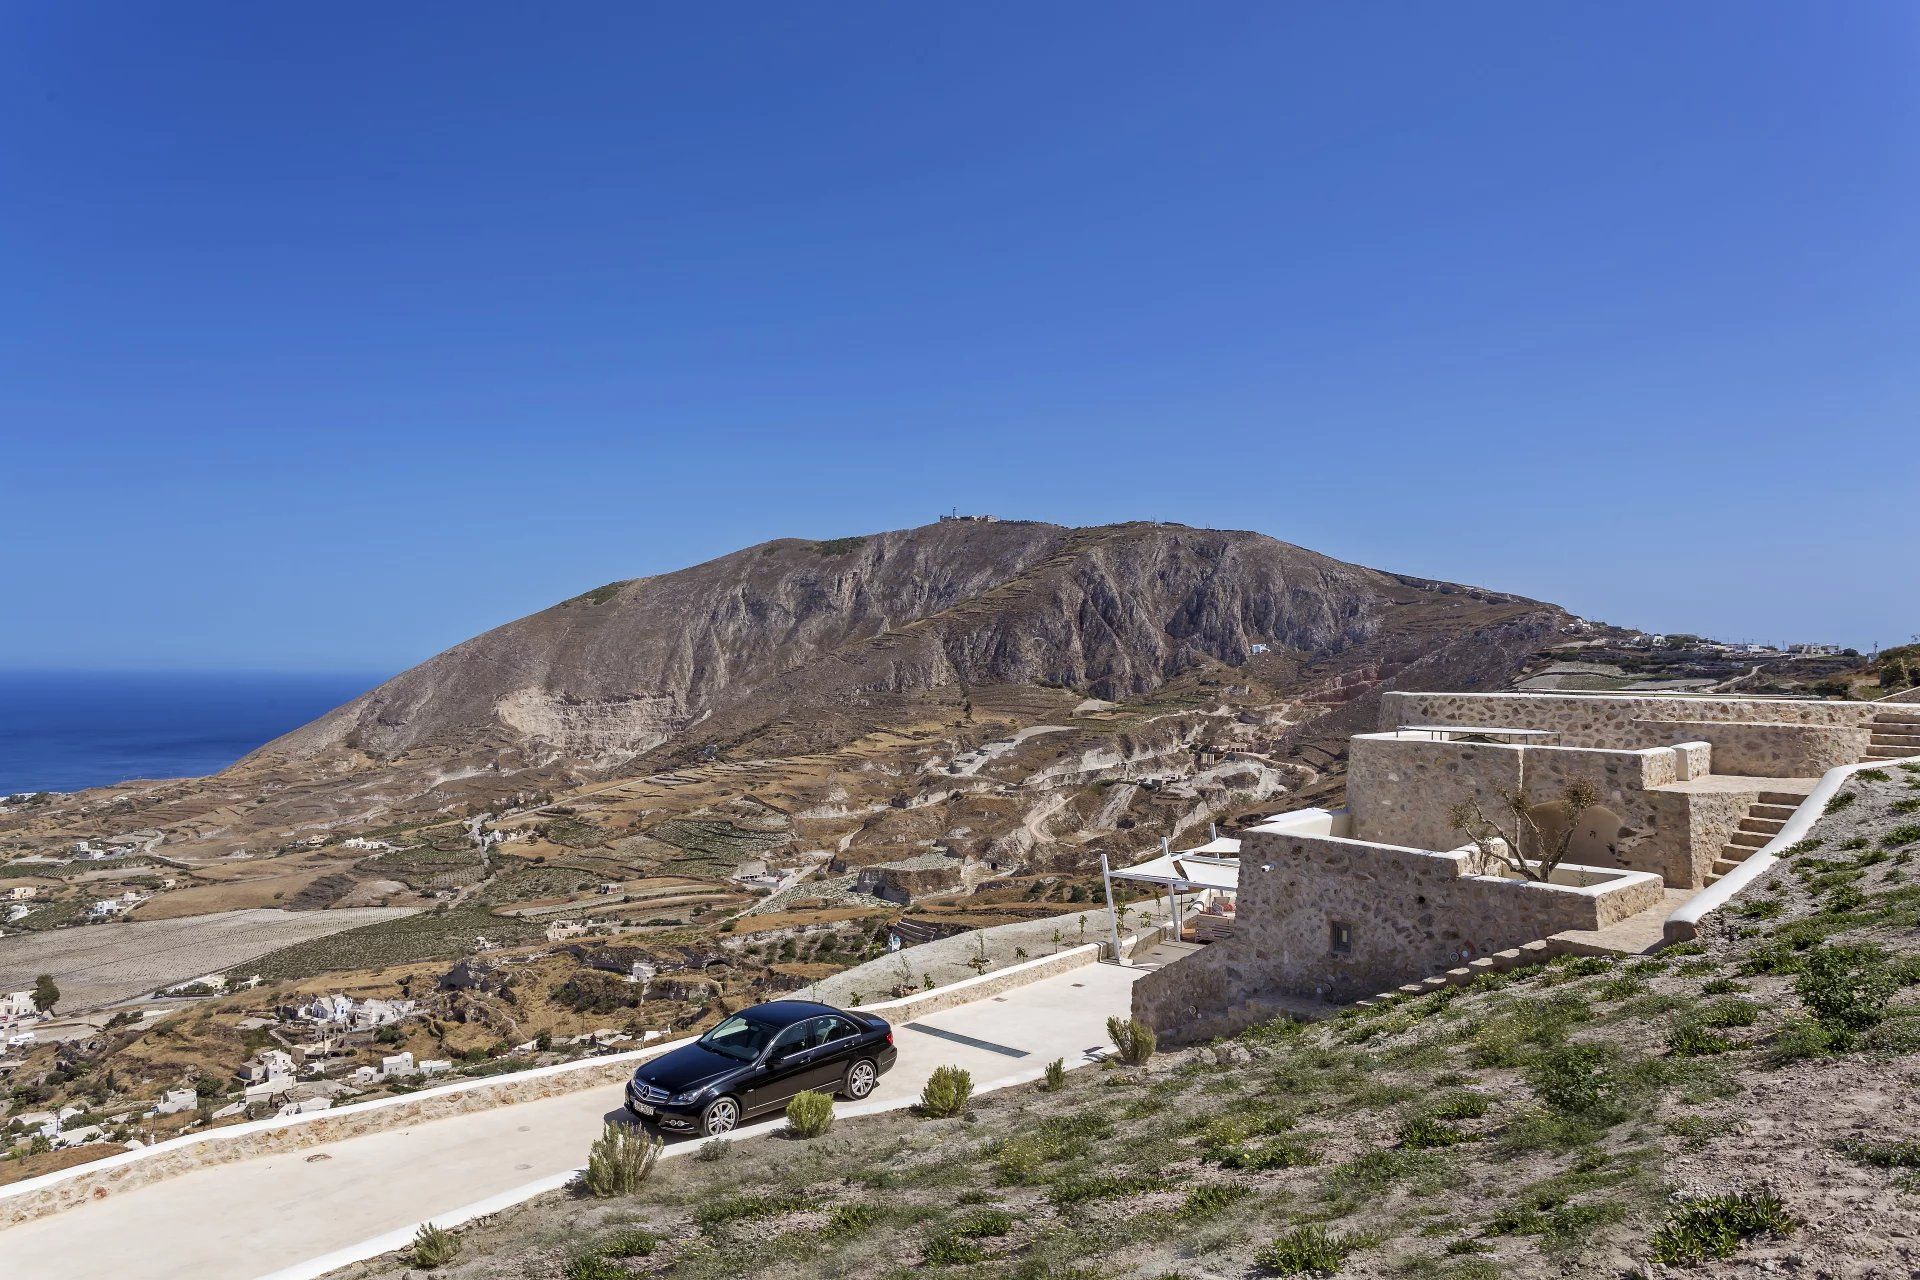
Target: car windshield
(738,1038)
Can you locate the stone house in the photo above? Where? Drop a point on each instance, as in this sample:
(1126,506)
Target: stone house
(1335,906)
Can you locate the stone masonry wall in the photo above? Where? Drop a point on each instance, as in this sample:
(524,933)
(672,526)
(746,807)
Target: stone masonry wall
(1409,914)
(1781,738)
(1401,791)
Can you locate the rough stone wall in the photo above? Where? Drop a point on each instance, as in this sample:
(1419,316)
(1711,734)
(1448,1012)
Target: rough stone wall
(1408,913)
(1402,790)
(1697,826)
(1772,749)
(1627,721)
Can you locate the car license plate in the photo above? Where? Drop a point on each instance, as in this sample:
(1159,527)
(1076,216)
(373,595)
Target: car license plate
(643,1108)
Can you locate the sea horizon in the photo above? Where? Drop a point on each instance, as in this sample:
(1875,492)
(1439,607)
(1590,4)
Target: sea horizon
(67,729)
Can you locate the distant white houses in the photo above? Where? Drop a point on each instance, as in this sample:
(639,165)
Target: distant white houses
(345,1012)
(271,1064)
(396,1066)
(107,908)
(17,1007)
(175,1101)
(21,892)
(366,845)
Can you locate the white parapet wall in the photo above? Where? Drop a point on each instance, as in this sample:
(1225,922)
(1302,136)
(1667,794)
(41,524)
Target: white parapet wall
(1685,923)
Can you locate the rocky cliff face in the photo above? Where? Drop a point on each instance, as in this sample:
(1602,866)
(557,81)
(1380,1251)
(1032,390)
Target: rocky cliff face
(789,628)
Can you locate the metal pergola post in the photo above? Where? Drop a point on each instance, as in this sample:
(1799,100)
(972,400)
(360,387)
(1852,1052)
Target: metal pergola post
(1113,916)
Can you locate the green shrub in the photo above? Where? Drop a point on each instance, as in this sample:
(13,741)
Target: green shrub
(594,1265)
(1711,1227)
(1841,801)
(984,1222)
(714,1214)
(1421,1132)
(1623,987)
(1459,1104)
(1846,985)
(849,1220)
(620,1160)
(1069,1191)
(714,1149)
(1690,1038)
(809,1114)
(1056,1077)
(947,1092)
(1133,1042)
(631,1244)
(1575,1079)
(1904,834)
(1283,1152)
(1306,1251)
(1801,1039)
(1722,986)
(951,1251)
(1205,1201)
(433,1247)
(1881,1155)
(1895,1035)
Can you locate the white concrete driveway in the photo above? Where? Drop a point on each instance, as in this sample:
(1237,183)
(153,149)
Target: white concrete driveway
(255,1217)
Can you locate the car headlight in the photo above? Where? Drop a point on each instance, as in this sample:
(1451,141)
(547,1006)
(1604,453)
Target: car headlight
(682,1099)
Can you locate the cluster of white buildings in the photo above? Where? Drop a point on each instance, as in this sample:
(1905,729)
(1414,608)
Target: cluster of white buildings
(348,1014)
(108,908)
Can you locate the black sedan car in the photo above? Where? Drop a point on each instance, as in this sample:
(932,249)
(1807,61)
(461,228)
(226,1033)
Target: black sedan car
(756,1060)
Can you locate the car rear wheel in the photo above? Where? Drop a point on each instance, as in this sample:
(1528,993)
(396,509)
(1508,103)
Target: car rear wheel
(720,1116)
(861,1077)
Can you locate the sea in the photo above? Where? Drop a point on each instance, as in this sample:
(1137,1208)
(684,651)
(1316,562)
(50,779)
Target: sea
(65,730)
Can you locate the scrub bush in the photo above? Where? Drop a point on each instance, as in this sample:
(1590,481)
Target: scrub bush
(809,1114)
(947,1092)
(1133,1042)
(433,1247)
(620,1160)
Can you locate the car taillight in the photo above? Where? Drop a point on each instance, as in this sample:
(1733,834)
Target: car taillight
(889,1035)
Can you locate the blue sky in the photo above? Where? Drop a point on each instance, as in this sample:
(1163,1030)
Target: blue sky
(335,335)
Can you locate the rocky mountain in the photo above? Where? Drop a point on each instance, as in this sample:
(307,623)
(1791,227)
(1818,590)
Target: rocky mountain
(722,651)
(796,647)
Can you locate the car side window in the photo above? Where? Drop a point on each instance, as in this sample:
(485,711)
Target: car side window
(839,1029)
(792,1040)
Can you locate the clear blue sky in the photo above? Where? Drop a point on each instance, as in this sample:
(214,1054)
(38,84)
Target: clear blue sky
(335,334)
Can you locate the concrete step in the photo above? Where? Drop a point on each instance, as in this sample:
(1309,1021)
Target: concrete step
(1889,753)
(1711,881)
(1764,826)
(1749,839)
(1780,811)
(1721,866)
(1782,797)
(1898,718)
(1904,741)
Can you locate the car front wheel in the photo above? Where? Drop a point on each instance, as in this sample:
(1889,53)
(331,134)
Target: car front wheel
(861,1077)
(720,1116)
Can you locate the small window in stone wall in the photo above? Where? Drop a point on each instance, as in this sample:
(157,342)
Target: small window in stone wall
(1339,938)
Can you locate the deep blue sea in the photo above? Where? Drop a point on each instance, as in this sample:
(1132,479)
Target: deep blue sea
(60,731)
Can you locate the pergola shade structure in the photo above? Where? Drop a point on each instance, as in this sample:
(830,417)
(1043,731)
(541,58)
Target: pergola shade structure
(1212,869)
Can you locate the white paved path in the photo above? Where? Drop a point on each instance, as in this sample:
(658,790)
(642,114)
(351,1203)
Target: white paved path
(249,1219)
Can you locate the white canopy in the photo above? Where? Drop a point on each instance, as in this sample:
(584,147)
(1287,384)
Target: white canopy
(1186,871)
